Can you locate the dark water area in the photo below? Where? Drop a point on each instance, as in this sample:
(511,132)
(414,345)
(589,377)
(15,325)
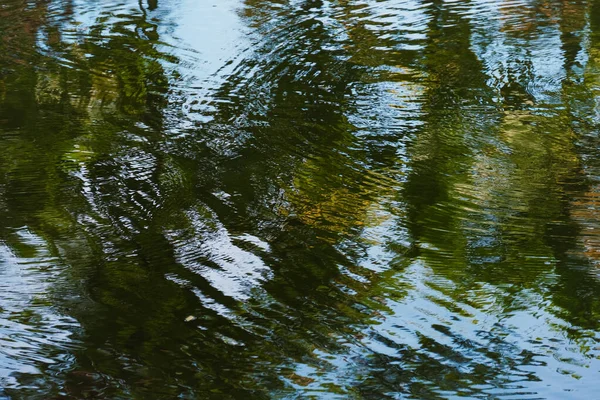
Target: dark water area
(346,199)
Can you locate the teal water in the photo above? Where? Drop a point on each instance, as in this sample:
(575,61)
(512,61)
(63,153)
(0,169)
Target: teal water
(346,199)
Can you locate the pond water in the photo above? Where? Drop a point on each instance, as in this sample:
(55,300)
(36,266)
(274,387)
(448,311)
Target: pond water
(345,199)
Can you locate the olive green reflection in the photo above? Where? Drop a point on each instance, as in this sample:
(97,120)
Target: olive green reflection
(316,199)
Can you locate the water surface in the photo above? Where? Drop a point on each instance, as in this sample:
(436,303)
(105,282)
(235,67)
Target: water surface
(346,199)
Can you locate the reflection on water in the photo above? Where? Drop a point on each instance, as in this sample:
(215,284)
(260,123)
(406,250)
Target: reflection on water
(316,199)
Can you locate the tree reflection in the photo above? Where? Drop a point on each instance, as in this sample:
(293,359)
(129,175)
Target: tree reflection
(378,195)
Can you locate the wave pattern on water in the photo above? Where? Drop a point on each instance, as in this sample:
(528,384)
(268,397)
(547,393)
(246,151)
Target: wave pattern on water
(273,199)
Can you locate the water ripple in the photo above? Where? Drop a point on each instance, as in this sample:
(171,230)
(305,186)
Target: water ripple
(341,199)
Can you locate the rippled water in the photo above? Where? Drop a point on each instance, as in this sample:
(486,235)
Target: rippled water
(299,199)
